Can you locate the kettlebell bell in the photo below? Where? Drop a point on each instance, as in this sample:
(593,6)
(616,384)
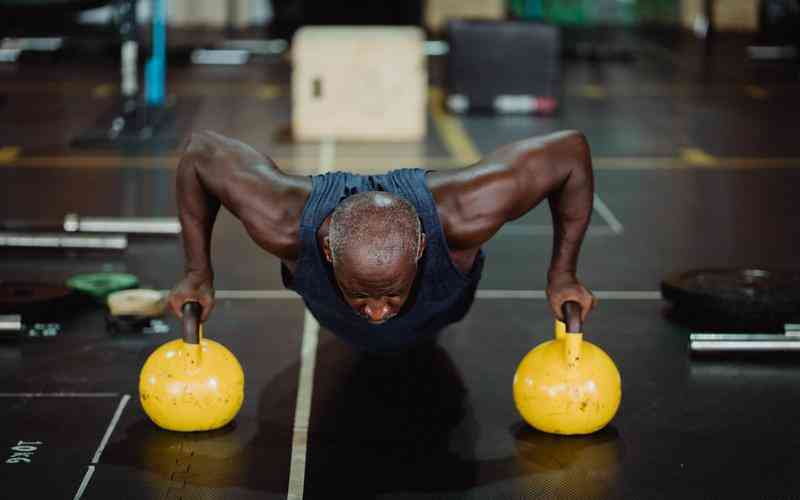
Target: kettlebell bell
(567,385)
(191,383)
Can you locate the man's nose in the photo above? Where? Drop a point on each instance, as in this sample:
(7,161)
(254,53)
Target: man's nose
(376,311)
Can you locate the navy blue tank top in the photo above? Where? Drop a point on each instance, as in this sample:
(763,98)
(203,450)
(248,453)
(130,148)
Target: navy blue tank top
(442,293)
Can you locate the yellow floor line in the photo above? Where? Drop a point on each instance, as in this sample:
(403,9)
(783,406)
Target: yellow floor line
(591,91)
(10,157)
(756,91)
(9,154)
(696,156)
(451,130)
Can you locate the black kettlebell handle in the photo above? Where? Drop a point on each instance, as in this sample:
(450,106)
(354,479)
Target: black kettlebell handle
(192,312)
(572,316)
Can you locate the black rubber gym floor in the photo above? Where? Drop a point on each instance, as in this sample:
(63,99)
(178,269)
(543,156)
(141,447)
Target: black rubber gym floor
(694,168)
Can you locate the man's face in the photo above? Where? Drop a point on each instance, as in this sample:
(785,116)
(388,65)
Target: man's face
(376,292)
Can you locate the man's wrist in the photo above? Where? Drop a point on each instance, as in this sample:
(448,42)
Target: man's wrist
(555,275)
(200,275)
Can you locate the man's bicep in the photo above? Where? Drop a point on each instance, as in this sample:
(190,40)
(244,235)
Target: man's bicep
(476,201)
(266,200)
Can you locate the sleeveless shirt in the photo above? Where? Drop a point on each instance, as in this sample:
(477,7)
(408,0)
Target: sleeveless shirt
(442,294)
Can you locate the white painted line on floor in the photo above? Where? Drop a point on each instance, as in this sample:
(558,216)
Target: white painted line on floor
(86,478)
(510,294)
(607,215)
(59,395)
(546,230)
(481,294)
(541,294)
(256,294)
(122,403)
(308,361)
(302,412)
(327,155)
(96,458)
(628,295)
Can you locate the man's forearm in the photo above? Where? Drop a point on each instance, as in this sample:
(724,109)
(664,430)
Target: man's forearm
(197,209)
(571,207)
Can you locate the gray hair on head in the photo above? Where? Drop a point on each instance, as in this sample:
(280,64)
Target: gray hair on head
(385,225)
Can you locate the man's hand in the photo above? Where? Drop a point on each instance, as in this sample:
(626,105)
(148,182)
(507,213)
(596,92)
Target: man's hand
(193,288)
(563,287)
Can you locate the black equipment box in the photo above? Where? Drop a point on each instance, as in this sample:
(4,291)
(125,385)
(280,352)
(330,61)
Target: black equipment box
(503,67)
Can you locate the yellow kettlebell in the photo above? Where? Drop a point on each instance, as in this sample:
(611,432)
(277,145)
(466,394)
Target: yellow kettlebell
(567,385)
(192,383)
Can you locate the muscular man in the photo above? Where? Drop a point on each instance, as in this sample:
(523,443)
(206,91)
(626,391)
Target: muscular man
(384,261)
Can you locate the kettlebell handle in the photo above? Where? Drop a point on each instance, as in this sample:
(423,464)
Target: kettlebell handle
(572,316)
(192,311)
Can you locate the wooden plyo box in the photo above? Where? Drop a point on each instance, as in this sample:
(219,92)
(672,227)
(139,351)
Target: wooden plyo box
(359,83)
(439,12)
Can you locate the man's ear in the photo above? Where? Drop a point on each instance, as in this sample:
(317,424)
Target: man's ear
(422,241)
(326,249)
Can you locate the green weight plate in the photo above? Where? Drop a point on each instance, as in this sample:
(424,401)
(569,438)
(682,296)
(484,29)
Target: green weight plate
(99,285)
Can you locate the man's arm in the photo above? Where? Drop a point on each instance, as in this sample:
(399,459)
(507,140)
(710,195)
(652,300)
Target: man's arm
(474,202)
(217,171)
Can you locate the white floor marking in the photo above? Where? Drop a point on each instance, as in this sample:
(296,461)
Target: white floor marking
(308,361)
(96,458)
(481,294)
(541,294)
(256,294)
(613,227)
(86,478)
(544,230)
(302,412)
(58,395)
(327,155)
(123,402)
(607,215)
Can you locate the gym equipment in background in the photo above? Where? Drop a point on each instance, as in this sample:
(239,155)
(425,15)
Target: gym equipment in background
(140,121)
(63,241)
(567,385)
(38,302)
(736,296)
(503,67)
(714,342)
(778,37)
(359,83)
(136,310)
(128,225)
(12,328)
(98,286)
(192,383)
(439,12)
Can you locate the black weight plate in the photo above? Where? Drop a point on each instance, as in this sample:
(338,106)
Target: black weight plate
(746,294)
(37,300)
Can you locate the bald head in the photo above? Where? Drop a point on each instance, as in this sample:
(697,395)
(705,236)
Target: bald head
(374,242)
(374,229)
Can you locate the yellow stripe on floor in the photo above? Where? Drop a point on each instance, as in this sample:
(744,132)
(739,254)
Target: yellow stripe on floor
(269,91)
(104,90)
(10,157)
(451,130)
(696,156)
(9,154)
(756,91)
(592,91)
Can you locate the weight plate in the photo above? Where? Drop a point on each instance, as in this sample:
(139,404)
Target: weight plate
(746,294)
(100,285)
(30,298)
